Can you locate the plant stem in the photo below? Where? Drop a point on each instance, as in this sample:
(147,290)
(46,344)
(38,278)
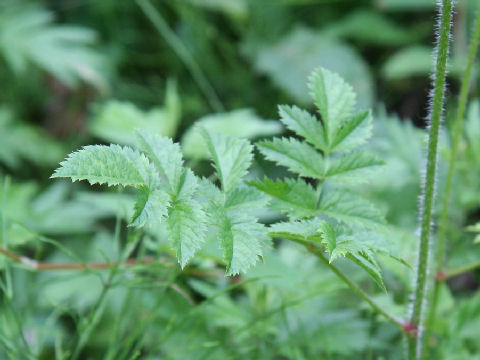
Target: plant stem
(36,265)
(182,52)
(3,234)
(445,275)
(148,260)
(318,252)
(358,290)
(425,249)
(457,131)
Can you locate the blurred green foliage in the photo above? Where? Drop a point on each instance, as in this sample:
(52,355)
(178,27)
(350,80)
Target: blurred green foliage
(74,73)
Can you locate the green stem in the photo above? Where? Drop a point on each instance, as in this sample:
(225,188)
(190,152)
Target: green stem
(318,252)
(458,271)
(425,249)
(457,131)
(3,235)
(182,52)
(90,323)
(358,290)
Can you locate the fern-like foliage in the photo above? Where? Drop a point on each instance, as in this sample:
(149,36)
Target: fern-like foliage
(329,155)
(192,209)
(29,36)
(168,193)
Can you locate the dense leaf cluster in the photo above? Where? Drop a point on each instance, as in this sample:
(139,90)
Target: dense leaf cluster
(194,209)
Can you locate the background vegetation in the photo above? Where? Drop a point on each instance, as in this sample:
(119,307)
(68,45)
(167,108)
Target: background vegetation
(82,72)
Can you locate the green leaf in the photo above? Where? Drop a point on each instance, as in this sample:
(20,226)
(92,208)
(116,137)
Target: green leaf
(297,156)
(474,227)
(21,141)
(241,241)
(289,61)
(188,185)
(304,124)
(416,60)
(340,245)
(186,221)
(472,128)
(367,263)
(293,197)
(231,157)
(111,165)
(115,121)
(186,226)
(334,99)
(241,123)
(30,37)
(373,27)
(354,132)
(151,207)
(410,5)
(351,209)
(345,246)
(409,61)
(246,198)
(336,243)
(328,236)
(380,243)
(351,167)
(165,154)
(210,192)
(303,230)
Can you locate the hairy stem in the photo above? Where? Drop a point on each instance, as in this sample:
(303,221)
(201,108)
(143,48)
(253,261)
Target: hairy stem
(425,248)
(456,135)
